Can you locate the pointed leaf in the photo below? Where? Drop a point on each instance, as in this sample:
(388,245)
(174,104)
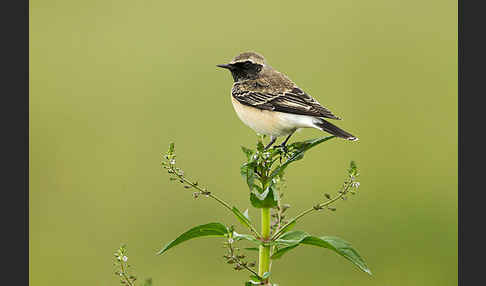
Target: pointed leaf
(171,148)
(247,171)
(210,229)
(340,246)
(260,146)
(289,226)
(257,278)
(353,169)
(241,217)
(301,147)
(293,239)
(240,236)
(248,152)
(282,251)
(246,214)
(267,199)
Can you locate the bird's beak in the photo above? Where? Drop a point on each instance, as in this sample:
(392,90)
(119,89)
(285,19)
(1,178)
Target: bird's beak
(225,66)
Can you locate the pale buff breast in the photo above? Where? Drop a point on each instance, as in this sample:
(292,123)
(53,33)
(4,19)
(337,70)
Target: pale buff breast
(270,122)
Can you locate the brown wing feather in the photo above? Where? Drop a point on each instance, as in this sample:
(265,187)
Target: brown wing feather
(266,96)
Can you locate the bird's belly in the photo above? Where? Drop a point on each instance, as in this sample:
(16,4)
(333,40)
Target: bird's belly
(266,122)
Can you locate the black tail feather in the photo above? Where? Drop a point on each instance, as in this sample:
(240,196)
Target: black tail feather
(334,130)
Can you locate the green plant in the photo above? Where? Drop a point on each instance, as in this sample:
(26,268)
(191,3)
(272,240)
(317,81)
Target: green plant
(122,268)
(263,172)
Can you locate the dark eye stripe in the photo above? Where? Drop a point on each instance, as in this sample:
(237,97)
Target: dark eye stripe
(246,65)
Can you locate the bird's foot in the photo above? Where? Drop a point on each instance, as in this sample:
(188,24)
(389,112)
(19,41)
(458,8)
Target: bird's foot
(284,153)
(272,140)
(284,148)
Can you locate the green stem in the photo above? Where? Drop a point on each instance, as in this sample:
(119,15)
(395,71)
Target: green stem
(209,194)
(315,208)
(264,251)
(124,275)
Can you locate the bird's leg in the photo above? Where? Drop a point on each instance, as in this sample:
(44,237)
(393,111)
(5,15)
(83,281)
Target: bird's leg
(284,147)
(286,139)
(272,140)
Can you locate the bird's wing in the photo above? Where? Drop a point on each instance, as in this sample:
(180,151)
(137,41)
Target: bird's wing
(286,100)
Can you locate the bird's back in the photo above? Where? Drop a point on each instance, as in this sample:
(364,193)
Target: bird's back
(273,90)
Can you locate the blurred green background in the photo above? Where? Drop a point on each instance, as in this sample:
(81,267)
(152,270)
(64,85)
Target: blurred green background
(113,82)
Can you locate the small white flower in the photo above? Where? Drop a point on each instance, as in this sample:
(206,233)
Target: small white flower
(230,240)
(124,258)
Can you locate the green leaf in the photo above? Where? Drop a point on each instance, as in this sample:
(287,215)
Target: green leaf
(247,215)
(247,171)
(289,226)
(267,199)
(241,217)
(171,148)
(282,251)
(353,169)
(211,229)
(252,248)
(260,146)
(266,275)
(300,149)
(294,238)
(239,236)
(257,278)
(340,246)
(248,152)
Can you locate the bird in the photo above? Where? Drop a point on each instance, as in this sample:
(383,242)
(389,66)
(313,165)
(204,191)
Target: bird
(268,102)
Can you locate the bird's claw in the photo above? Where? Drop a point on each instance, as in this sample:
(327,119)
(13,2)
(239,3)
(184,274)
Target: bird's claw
(284,148)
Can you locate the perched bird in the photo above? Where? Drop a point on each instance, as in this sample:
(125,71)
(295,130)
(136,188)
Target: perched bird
(270,103)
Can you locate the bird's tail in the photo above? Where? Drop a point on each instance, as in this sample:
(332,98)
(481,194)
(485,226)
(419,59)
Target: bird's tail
(333,129)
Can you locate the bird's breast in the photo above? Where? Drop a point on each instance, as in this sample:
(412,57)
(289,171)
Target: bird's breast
(268,122)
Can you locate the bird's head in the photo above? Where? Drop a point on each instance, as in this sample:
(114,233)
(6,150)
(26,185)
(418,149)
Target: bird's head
(247,65)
